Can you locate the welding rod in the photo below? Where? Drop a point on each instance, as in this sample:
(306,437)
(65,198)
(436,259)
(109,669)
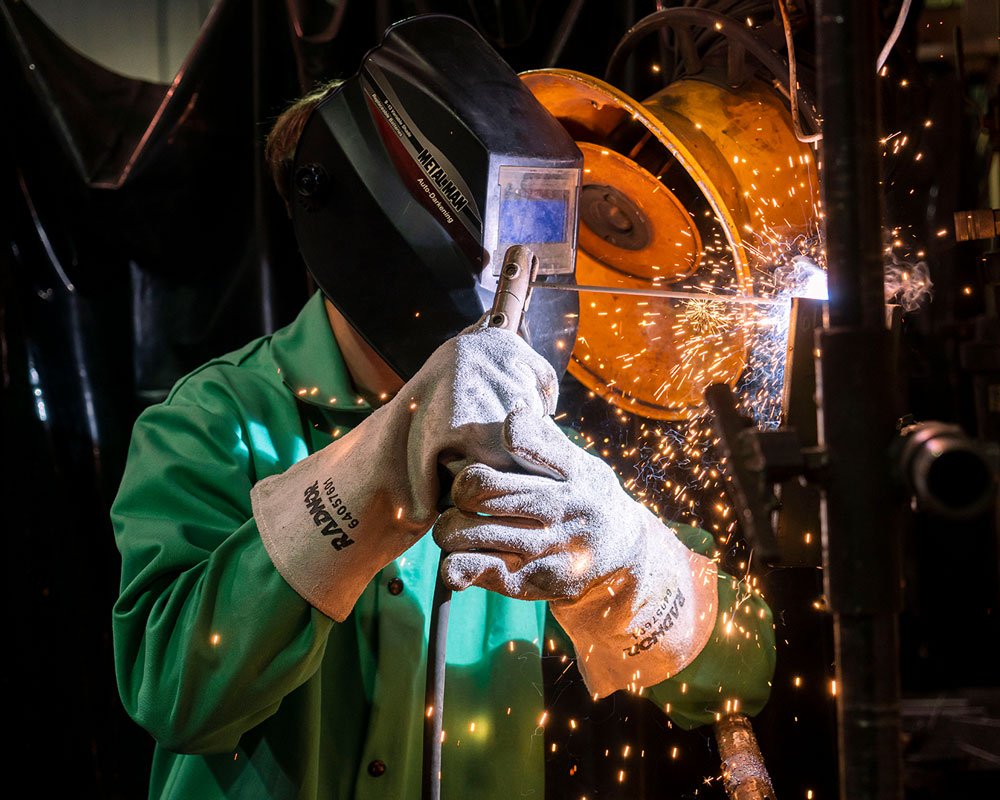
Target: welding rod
(721,298)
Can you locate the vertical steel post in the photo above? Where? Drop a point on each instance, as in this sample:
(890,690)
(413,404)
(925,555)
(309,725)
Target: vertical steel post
(862,571)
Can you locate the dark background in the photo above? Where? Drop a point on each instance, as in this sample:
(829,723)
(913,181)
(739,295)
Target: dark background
(141,237)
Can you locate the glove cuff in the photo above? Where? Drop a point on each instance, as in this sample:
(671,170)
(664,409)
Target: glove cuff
(643,627)
(327,528)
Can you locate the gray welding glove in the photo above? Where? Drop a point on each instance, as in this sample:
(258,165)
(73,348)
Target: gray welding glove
(334,519)
(637,604)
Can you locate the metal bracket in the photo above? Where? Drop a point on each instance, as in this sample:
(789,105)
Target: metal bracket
(754,462)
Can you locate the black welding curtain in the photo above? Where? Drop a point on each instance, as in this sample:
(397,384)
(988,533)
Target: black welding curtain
(138,243)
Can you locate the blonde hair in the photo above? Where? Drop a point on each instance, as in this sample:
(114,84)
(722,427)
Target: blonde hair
(279,149)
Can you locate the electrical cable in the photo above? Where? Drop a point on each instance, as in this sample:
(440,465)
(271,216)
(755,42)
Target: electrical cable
(727,27)
(499,40)
(297,14)
(793,85)
(904,10)
(566,25)
(769,59)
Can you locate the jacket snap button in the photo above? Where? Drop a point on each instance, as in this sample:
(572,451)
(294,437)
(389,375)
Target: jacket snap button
(376,768)
(395,586)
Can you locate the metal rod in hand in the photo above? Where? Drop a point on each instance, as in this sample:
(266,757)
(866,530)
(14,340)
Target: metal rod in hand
(513,291)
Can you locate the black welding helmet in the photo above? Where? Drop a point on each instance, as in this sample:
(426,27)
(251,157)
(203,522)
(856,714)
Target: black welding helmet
(414,176)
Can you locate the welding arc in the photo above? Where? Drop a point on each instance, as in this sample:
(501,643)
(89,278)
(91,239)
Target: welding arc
(721,298)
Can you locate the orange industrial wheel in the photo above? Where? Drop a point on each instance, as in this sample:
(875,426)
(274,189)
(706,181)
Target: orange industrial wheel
(692,190)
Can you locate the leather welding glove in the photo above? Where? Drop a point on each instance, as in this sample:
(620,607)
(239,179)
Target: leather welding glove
(334,519)
(637,604)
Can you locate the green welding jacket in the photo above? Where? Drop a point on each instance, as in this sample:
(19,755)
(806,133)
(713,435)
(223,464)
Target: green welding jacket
(251,692)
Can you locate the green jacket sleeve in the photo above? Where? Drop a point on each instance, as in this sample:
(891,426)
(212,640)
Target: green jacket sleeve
(208,638)
(733,671)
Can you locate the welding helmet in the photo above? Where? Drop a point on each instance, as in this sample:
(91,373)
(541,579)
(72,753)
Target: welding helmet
(413,177)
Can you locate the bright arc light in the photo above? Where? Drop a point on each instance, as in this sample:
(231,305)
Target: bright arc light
(815,285)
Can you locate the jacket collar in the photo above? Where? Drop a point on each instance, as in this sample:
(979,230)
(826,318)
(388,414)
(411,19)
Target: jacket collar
(310,364)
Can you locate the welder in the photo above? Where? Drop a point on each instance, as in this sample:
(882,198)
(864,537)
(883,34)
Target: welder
(277,573)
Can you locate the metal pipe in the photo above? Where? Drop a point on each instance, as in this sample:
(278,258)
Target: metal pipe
(862,572)
(743,771)
(851,194)
(861,560)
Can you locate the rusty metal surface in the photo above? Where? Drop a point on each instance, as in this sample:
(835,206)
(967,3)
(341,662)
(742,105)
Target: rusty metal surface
(744,773)
(980,224)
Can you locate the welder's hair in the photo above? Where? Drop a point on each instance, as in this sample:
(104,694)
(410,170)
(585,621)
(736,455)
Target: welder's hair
(279,150)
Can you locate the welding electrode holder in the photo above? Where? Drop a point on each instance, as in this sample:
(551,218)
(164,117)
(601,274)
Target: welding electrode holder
(519,269)
(520,266)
